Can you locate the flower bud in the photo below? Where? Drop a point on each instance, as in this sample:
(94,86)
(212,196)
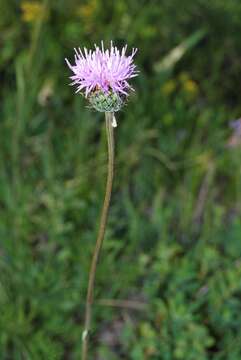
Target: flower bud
(105,102)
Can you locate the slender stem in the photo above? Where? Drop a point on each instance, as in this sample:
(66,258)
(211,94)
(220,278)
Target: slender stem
(100,237)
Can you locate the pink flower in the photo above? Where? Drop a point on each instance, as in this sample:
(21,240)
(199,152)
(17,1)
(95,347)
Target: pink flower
(103,70)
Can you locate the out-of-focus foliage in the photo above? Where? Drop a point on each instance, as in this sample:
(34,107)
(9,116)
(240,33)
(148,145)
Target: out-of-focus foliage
(169,280)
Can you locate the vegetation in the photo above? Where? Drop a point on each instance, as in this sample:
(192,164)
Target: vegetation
(169,281)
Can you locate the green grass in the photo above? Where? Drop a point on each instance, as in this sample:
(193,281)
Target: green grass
(173,237)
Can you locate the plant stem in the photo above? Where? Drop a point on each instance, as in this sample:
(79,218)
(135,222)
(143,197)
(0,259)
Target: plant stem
(101,233)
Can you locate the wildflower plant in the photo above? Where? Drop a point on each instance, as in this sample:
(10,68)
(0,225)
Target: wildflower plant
(102,76)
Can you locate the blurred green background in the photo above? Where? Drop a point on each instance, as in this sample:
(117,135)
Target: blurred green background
(169,280)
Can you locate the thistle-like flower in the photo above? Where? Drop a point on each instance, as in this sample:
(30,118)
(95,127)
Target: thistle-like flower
(102,75)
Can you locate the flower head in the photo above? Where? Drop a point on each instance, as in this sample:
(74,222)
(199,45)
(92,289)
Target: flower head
(102,75)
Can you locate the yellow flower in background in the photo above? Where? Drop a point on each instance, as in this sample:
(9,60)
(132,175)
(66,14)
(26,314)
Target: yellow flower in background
(88,10)
(169,87)
(188,85)
(32,10)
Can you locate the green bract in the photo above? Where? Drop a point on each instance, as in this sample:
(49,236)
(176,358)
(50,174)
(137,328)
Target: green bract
(105,102)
